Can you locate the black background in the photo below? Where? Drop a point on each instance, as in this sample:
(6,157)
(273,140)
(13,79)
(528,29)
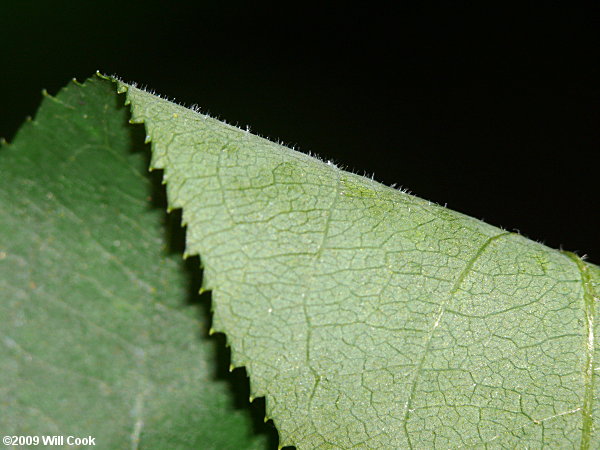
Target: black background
(493,112)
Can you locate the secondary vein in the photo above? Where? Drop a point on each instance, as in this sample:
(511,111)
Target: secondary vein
(459,280)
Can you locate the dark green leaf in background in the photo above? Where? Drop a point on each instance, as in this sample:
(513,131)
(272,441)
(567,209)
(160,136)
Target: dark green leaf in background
(96,336)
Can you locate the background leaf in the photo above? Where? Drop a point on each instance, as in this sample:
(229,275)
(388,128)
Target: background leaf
(97,337)
(369,317)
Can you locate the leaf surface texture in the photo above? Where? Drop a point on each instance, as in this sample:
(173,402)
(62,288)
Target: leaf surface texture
(367,317)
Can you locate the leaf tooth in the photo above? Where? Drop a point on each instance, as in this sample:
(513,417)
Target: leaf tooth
(188,254)
(284,439)
(136,117)
(254,394)
(165,177)
(156,160)
(216,321)
(172,199)
(205,288)
(172,203)
(269,410)
(256,390)
(184,222)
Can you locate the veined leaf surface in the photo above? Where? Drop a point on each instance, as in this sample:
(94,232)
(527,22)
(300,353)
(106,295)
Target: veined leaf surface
(368,317)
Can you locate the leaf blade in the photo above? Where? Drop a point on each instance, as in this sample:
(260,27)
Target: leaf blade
(390,335)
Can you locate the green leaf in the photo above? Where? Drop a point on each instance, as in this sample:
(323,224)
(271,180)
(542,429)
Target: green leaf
(367,317)
(96,336)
